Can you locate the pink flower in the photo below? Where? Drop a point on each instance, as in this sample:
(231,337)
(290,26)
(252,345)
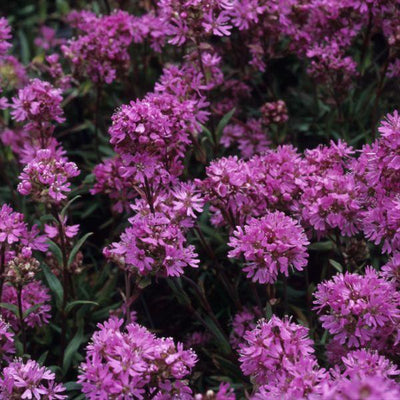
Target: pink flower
(45,178)
(135,361)
(359,310)
(270,245)
(28,380)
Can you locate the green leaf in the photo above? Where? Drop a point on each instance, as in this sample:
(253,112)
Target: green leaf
(57,253)
(208,134)
(54,284)
(322,246)
(11,307)
(70,386)
(268,311)
(25,52)
(223,122)
(41,360)
(65,209)
(72,348)
(72,304)
(225,346)
(76,248)
(336,265)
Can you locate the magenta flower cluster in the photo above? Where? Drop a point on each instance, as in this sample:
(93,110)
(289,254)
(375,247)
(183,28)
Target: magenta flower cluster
(271,245)
(134,362)
(360,310)
(29,380)
(46,176)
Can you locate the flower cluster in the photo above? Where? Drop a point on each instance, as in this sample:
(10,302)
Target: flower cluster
(29,380)
(45,177)
(359,310)
(278,355)
(270,246)
(134,361)
(153,244)
(100,52)
(38,105)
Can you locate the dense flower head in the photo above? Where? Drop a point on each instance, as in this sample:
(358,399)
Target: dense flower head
(153,244)
(273,348)
(33,294)
(5,36)
(331,202)
(225,188)
(7,348)
(134,361)
(100,51)
(270,245)
(39,105)
(46,177)
(325,158)
(279,178)
(158,125)
(29,380)
(359,310)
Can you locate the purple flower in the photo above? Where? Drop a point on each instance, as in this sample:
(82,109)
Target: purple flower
(134,361)
(38,104)
(28,380)
(153,244)
(359,310)
(277,352)
(100,52)
(270,245)
(45,178)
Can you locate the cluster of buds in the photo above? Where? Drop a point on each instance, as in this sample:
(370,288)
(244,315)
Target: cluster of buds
(274,112)
(22,268)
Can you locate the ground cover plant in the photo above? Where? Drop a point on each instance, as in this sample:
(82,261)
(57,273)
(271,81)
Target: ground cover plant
(200,199)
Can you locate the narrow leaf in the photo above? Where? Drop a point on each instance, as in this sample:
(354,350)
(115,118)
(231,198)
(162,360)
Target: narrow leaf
(76,248)
(72,304)
(54,284)
(72,348)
